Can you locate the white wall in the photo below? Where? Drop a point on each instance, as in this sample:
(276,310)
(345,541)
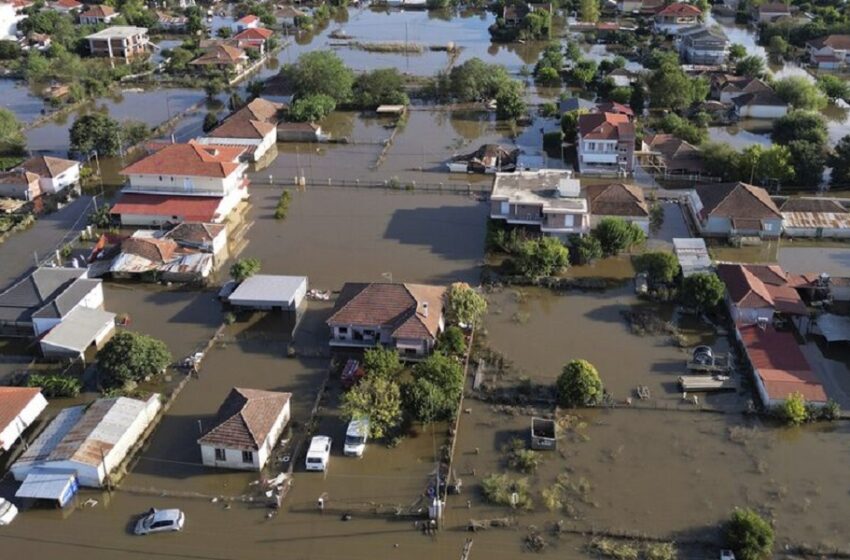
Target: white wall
(92,300)
(61,181)
(22,421)
(233,457)
(188,184)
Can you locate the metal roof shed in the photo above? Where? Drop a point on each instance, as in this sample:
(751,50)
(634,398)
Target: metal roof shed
(55,486)
(268,292)
(82,328)
(692,254)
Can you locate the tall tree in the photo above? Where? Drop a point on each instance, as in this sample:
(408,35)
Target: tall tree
(11,135)
(95,132)
(589,10)
(839,160)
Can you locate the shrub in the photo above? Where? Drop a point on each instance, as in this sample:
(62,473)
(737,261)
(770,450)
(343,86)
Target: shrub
(282,207)
(129,357)
(55,384)
(793,411)
(464,305)
(661,266)
(503,490)
(381,362)
(579,385)
(544,256)
(452,342)
(617,235)
(435,390)
(377,398)
(245,268)
(748,535)
(587,249)
(702,291)
(522,459)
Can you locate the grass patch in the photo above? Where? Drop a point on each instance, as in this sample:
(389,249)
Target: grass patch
(504,490)
(522,459)
(391,47)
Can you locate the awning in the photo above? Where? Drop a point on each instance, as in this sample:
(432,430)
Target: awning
(45,485)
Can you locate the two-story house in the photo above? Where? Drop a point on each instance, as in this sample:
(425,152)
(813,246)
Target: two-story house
(253,126)
(98,14)
(549,200)
(122,41)
(829,53)
(605,143)
(675,16)
(703,45)
(177,183)
(734,209)
(54,174)
(407,317)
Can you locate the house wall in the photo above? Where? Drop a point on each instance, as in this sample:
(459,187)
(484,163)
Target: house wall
(748,315)
(233,457)
(101,336)
(225,207)
(641,221)
(762,111)
(21,190)
(62,181)
(92,300)
(827,233)
(187,184)
(263,144)
(12,432)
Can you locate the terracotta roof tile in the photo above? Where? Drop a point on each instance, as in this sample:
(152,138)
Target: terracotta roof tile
(188,208)
(191,159)
(47,166)
(13,400)
(155,250)
(737,200)
(99,11)
(253,34)
(221,54)
(680,9)
(604,126)
(245,419)
(616,199)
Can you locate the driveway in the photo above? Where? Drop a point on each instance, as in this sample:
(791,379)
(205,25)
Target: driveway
(20,251)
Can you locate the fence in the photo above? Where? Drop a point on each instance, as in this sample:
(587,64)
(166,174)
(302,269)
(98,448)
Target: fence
(393,184)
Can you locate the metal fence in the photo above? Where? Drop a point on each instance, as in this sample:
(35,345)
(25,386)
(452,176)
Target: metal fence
(401,185)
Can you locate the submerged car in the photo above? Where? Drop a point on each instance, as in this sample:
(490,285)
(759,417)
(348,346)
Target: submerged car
(160,521)
(8,512)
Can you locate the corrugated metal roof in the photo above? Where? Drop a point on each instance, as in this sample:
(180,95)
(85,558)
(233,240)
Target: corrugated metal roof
(268,288)
(46,485)
(806,220)
(79,329)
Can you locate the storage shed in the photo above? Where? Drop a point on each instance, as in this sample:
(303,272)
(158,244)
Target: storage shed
(270,292)
(83,329)
(692,255)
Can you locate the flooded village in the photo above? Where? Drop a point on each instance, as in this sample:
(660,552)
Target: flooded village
(425,279)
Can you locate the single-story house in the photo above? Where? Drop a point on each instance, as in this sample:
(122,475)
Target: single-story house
(170,23)
(692,255)
(98,14)
(206,238)
(300,132)
(725,87)
(407,317)
(19,407)
(759,105)
(815,217)
(270,292)
(140,209)
(54,174)
(675,16)
(89,442)
(65,6)
(20,185)
(244,128)
(779,366)
(575,104)
(489,158)
(734,209)
(248,22)
(80,334)
(254,38)
(771,11)
(188,253)
(42,300)
(672,155)
(617,200)
(755,293)
(246,430)
(829,53)
(222,57)
(287,15)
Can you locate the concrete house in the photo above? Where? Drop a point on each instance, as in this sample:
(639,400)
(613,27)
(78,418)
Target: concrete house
(549,200)
(268,292)
(732,209)
(287,15)
(54,174)
(188,182)
(605,143)
(829,53)
(89,442)
(675,16)
(65,6)
(771,11)
(255,38)
(617,200)
(248,22)
(221,57)
(246,429)
(725,87)
(98,14)
(300,132)
(253,126)
(20,185)
(407,317)
(703,45)
(9,19)
(19,408)
(779,366)
(82,332)
(755,293)
(760,105)
(815,217)
(123,41)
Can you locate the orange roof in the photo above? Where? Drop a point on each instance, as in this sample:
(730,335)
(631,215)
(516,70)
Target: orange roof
(253,34)
(99,11)
(184,208)
(248,19)
(680,9)
(604,126)
(221,54)
(13,400)
(189,159)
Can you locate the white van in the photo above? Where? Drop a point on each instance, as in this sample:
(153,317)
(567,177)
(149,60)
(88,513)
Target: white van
(356,436)
(319,454)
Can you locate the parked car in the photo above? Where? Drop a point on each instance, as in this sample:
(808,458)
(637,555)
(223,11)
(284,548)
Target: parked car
(356,436)
(727,555)
(319,453)
(160,521)
(8,512)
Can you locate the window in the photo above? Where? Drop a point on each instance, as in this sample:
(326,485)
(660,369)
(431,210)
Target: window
(220,455)
(591,146)
(160,177)
(342,330)
(247,456)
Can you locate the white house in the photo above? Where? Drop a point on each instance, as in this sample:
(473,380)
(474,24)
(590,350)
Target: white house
(248,22)
(83,293)
(89,442)
(676,16)
(815,217)
(831,52)
(617,200)
(734,209)
(771,11)
(55,174)
(98,14)
(763,104)
(605,143)
(270,292)
(253,126)
(80,334)
(19,407)
(755,293)
(246,430)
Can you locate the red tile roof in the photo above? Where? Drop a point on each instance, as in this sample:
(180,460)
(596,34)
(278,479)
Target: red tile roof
(737,201)
(680,9)
(191,159)
(760,286)
(13,400)
(68,4)
(99,11)
(617,108)
(839,42)
(780,364)
(245,419)
(221,54)
(248,19)
(157,251)
(604,126)
(185,208)
(253,34)
(47,166)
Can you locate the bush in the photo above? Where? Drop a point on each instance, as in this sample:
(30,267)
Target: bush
(282,207)
(660,266)
(748,535)
(55,384)
(377,398)
(579,385)
(502,490)
(702,291)
(452,342)
(446,374)
(382,362)
(210,122)
(544,256)
(522,459)
(793,411)
(464,305)
(131,357)
(586,249)
(379,87)
(616,235)
(244,268)
(312,108)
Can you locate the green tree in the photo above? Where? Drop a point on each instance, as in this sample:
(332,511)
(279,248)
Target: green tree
(569,123)
(834,87)
(131,357)
(435,391)
(777,46)
(661,267)
(179,59)
(839,160)
(616,235)
(583,71)
(589,10)
(379,87)
(312,108)
(548,76)
(579,385)
(748,535)
(377,398)
(671,88)
(452,342)
(464,305)
(510,102)
(808,161)
(10,50)
(475,80)
(382,362)
(95,132)
(751,66)
(800,125)
(737,51)
(210,121)
(134,132)
(544,256)
(586,249)
(793,410)
(637,101)
(321,72)
(12,141)
(55,384)
(245,268)
(764,165)
(425,401)
(800,93)
(702,291)
(682,128)
(213,87)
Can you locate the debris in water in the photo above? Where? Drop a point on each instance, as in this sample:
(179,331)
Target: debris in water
(346,517)
(214,500)
(90,502)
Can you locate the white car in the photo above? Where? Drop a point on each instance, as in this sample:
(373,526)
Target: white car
(160,521)
(319,453)
(355,437)
(8,512)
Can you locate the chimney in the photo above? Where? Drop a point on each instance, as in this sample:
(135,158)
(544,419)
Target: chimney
(425,309)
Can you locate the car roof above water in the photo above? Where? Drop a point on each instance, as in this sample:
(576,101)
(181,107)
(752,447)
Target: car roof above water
(318,443)
(166,515)
(358,427)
